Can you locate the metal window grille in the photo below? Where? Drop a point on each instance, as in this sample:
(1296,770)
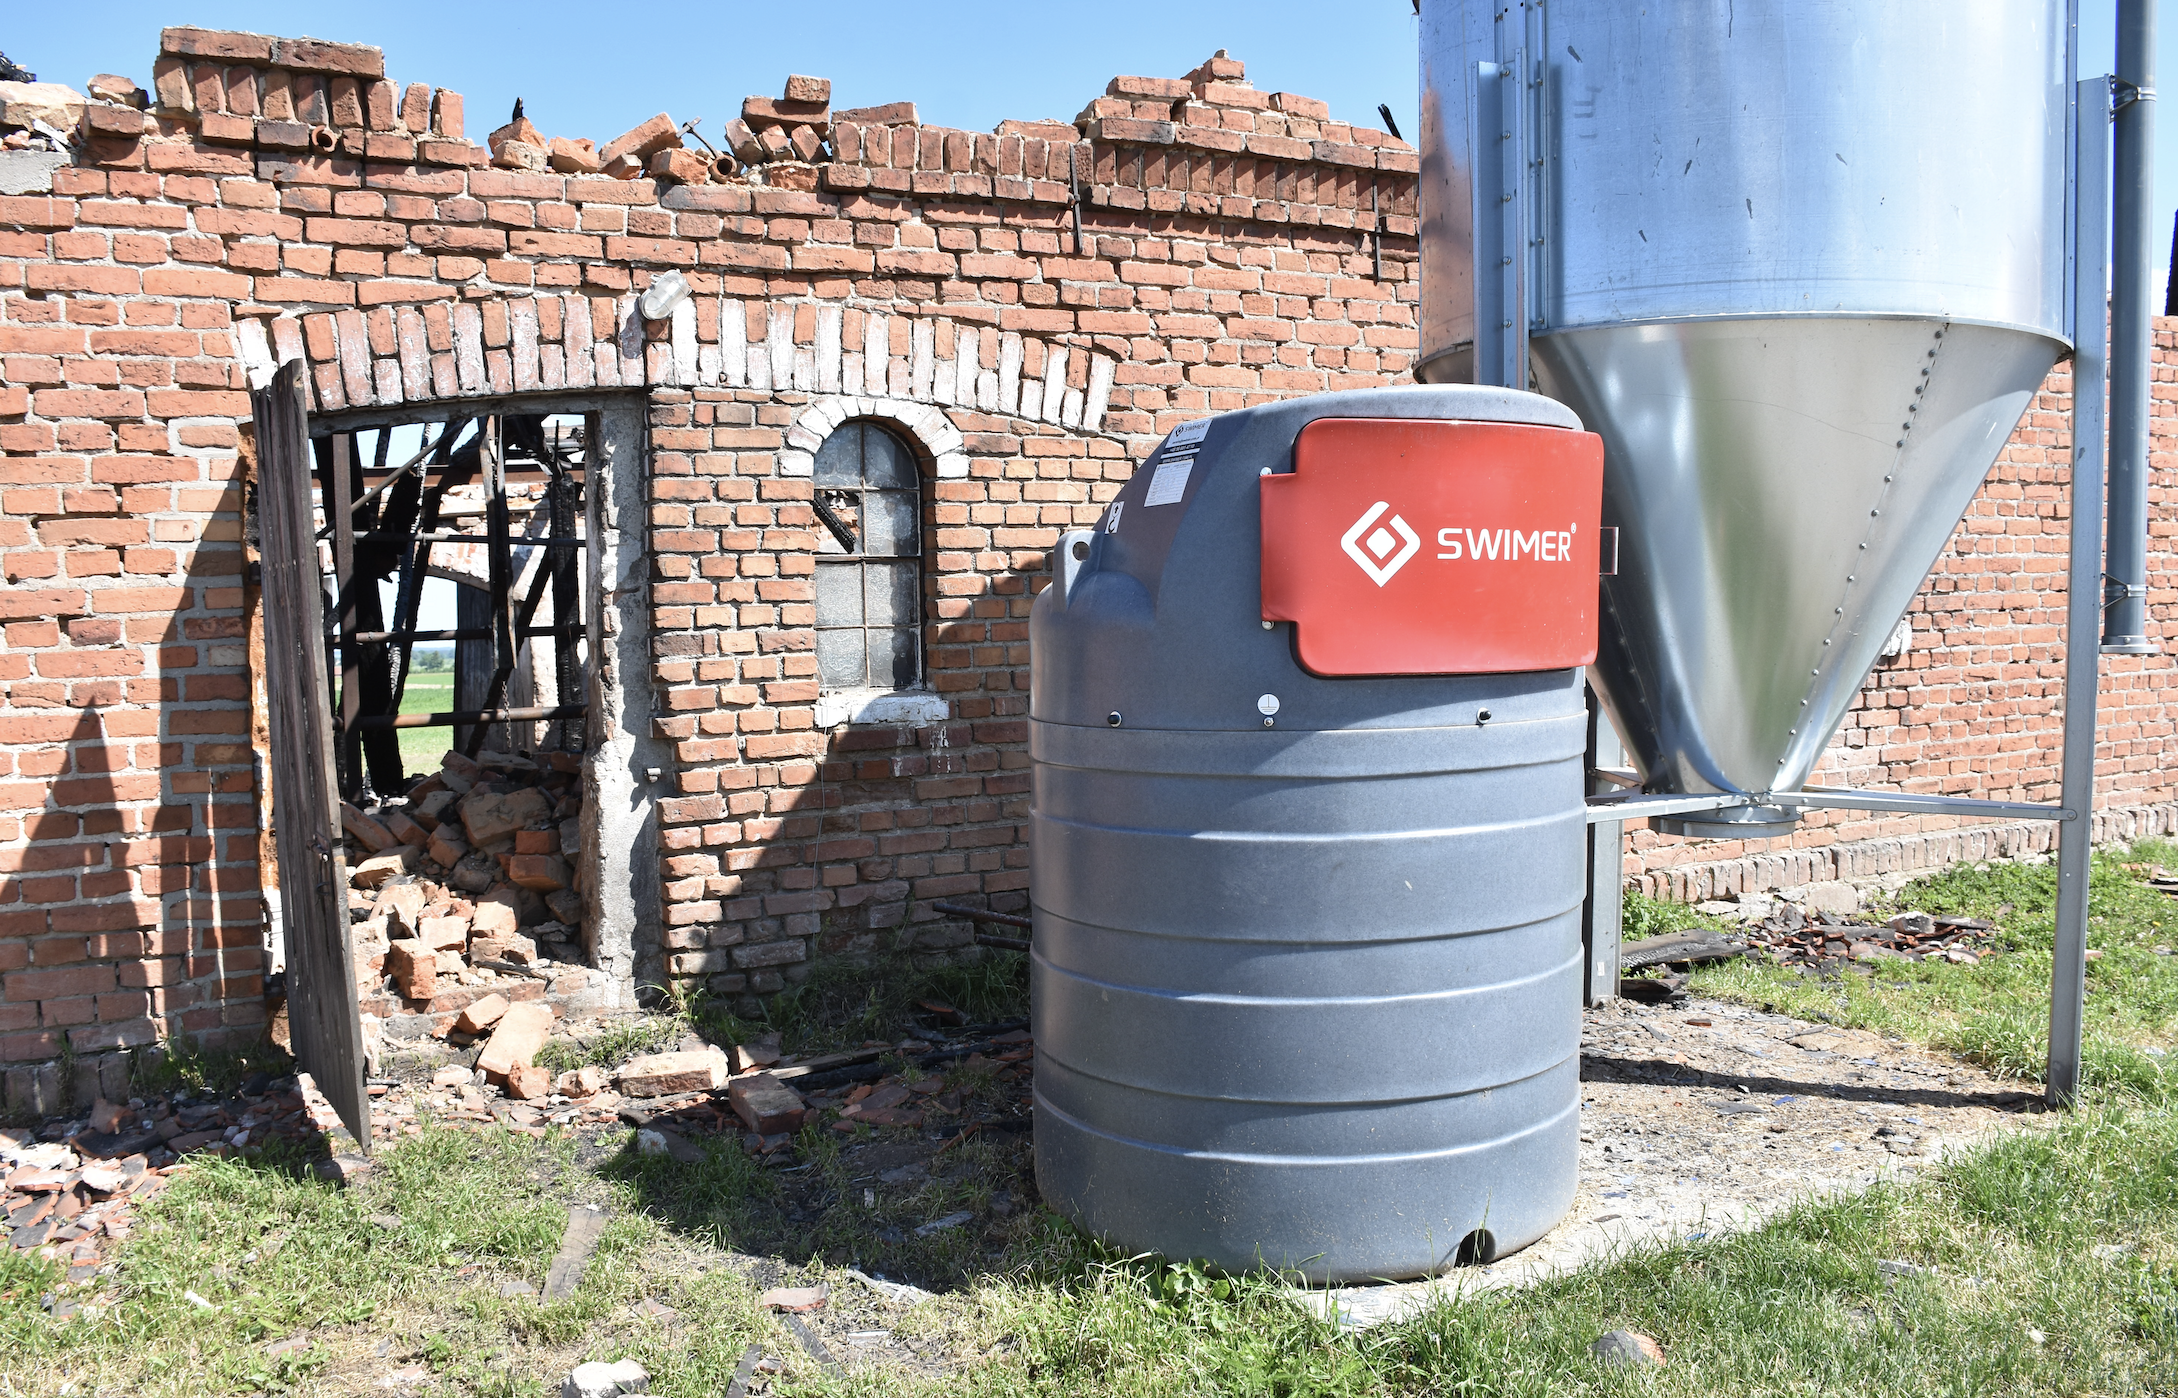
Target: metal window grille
(869,561)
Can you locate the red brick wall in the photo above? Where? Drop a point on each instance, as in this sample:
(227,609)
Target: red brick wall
(281,200)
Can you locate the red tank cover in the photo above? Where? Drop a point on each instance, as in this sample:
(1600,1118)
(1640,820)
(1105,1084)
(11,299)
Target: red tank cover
(1412,547)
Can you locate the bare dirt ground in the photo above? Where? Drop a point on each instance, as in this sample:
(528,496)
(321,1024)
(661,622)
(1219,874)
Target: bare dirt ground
(1701,1115)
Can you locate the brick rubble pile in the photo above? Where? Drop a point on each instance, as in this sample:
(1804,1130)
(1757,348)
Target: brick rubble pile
(466,898)
(1794,936)
(765,1097)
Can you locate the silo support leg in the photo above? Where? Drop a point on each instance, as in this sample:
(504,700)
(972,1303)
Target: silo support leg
(2083,603)
(1602,914)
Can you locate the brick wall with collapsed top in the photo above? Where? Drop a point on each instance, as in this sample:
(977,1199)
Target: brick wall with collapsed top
(1022,311)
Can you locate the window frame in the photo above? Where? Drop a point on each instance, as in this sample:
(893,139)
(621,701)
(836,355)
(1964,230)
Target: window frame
(848,702)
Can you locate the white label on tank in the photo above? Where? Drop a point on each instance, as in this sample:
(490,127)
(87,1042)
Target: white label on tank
(1174,461)
(1170,482)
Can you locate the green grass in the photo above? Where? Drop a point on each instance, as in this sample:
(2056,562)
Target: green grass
(1643,916)
(427,691)
(1797,1307)
(615,1045)
(2022,1293)
(1997,1013)
(181,1062)
(844,1003)
(2015,1299)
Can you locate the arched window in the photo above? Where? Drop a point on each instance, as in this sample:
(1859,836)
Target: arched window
(869,560)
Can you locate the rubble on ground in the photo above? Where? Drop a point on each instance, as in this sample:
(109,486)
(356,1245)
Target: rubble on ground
(1793,936)
(766,1097)
(751,1093)
(467,901)
(69,1189)
(1812,941)
(598,1379)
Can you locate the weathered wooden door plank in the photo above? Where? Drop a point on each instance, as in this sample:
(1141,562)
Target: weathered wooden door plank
(326,1028)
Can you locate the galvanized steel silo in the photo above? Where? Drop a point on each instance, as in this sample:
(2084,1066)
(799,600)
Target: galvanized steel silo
(1307,956)
(1802,266)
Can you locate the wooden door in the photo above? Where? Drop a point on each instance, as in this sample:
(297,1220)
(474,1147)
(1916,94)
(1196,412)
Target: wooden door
(325,1025)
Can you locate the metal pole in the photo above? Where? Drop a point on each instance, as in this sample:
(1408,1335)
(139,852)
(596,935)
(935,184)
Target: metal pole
(2125,586)
(1603,912)
(2083,661)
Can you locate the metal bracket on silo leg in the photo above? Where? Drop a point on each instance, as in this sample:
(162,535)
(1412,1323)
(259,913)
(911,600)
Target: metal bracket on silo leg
(1603,910)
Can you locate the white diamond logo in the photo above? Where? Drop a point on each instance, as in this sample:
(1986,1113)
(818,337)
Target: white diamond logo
(1380,568)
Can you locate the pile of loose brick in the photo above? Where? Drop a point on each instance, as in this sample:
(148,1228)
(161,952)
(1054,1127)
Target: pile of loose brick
(332,98)
(466,901)
(1796,936)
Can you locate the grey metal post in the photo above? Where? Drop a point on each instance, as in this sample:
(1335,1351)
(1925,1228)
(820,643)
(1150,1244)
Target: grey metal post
(1603,912)
(2125,587)
(2083,600)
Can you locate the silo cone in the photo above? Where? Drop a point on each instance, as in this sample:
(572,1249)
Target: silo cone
(1307,836)
(1802,267)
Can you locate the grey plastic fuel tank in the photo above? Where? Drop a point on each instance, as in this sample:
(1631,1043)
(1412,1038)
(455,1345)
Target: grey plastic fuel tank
(1802,266)
(1306,994)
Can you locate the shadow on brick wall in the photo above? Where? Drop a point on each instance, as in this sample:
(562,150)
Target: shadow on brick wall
(131,910)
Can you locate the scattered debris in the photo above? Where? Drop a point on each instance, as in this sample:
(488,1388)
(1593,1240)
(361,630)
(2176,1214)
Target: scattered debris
(794,1298)
(743,1371)
(809,1340)
(1679,949)
(941,1225)
(898,1293)
(601,1380)
(1654,990)
(1628,1349)
(585,1223)
(1792,935)
(664,1074)
(69,1184)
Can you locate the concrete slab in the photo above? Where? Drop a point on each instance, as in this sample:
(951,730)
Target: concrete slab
(1705,1117)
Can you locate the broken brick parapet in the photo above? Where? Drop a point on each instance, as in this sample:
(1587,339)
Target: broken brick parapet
(314,112)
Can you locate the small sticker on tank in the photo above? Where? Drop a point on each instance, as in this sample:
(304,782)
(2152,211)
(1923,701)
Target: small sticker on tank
(1170,482)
